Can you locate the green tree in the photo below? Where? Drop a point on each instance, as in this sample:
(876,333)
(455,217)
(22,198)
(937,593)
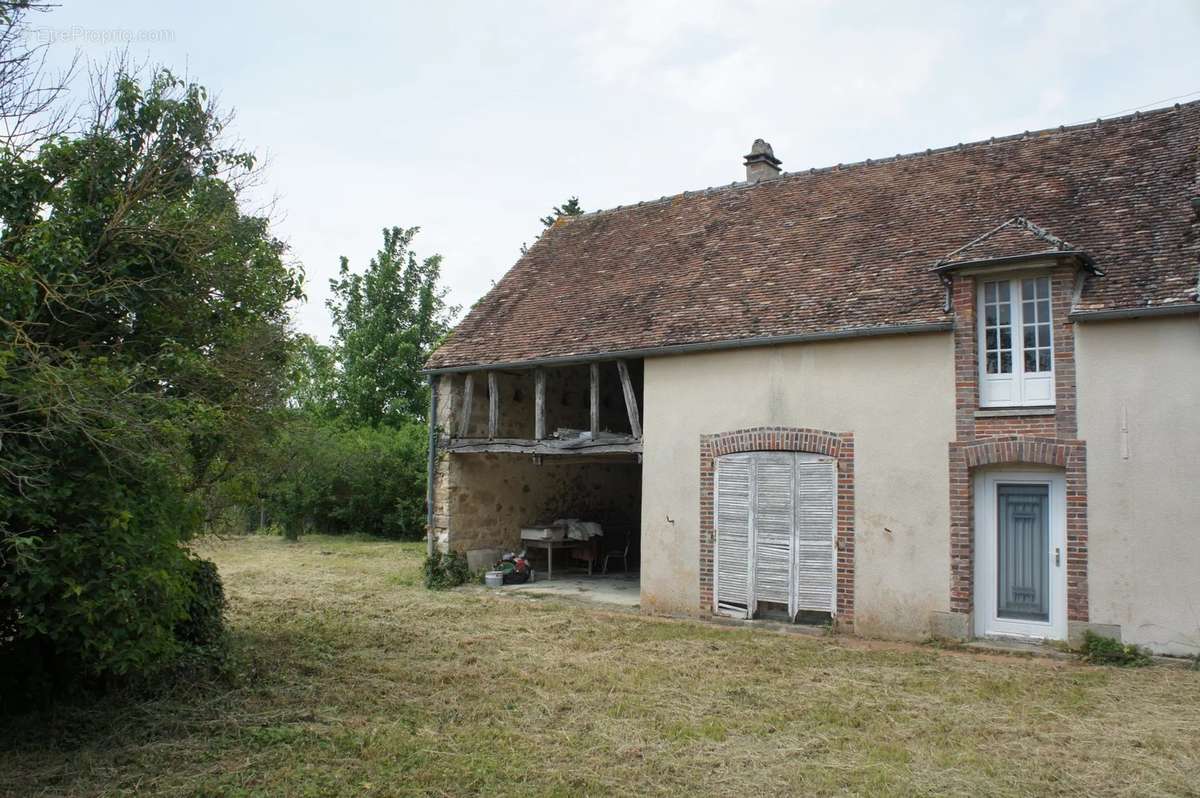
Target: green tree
(387,321)
(313,378)
(568,209)
(143,346)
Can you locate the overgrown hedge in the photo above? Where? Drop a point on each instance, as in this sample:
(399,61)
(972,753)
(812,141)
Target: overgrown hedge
(324,478)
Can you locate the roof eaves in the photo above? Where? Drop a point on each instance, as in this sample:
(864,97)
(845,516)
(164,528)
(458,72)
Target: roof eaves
(703,346)
(1084,258)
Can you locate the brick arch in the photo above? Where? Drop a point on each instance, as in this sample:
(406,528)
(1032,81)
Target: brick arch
(966,458)
(1019,449)
(838,445)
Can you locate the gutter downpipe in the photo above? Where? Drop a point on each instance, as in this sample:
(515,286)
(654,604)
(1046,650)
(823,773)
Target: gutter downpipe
(429,474)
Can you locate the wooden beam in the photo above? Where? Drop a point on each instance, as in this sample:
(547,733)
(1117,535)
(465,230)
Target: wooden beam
(595,414)
(539,404)
(493,405)
(617,444)
(464,418)
(635,424)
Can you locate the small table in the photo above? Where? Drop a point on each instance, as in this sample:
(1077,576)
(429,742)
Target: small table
(550,546)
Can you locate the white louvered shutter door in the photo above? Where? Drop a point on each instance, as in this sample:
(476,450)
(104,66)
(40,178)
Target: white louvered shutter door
(734,546)
(816,485)
(774,518)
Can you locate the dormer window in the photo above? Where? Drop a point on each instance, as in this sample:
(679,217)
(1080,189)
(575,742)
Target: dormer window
(1016,364)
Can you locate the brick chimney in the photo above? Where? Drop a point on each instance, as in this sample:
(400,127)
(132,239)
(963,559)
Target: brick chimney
(761,163)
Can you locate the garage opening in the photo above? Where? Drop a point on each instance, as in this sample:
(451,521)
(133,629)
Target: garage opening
(548,461)
(775,553)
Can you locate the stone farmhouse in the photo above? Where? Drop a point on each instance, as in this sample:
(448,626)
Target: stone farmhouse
(953,393)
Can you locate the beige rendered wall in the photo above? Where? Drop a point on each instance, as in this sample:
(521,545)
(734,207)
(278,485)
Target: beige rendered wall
(895,393)
(1143,527)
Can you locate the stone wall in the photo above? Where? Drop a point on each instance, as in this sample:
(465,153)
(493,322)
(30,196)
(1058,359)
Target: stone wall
(485,499)
(482,500)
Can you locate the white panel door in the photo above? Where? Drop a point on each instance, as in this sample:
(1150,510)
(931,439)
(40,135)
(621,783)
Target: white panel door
(1020,555)
(776,515)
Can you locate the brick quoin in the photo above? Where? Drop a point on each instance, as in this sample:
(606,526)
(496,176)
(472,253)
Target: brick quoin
(838,445)
(1048,440)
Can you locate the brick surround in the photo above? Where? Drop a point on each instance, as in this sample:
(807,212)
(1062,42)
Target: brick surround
(1014,439)
(840,446)
(1007,426)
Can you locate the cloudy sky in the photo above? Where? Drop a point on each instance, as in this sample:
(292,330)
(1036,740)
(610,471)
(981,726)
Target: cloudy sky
(471,120)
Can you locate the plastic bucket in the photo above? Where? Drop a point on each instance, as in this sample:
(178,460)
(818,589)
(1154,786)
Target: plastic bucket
(493,578)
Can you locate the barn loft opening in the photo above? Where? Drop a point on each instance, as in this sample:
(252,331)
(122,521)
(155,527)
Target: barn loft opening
(546,460)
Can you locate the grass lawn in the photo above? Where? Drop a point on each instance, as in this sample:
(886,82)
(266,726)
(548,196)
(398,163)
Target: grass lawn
(357,681)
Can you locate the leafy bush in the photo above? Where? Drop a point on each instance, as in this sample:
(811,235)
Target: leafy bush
(97,593)
(145,328)
(444,571)
(325,478)
(205,621)
(1101,650)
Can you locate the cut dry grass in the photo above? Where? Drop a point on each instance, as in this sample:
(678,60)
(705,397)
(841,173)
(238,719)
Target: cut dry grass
(359,682)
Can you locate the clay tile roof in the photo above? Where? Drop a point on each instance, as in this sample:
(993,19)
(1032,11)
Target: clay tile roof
(1017,238)
(853,248)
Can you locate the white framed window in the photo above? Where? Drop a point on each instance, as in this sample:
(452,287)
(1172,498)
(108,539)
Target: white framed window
(1016,346)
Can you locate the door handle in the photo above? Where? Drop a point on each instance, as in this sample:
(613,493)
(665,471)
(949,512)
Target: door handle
(1057,556)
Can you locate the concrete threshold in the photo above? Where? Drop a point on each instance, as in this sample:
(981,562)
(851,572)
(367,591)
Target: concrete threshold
(768,625)
(1031,648)
(608,590)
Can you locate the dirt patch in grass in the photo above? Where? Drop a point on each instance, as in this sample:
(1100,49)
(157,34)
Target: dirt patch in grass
(356,681)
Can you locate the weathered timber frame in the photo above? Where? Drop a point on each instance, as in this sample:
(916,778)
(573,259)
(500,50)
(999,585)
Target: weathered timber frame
(635,423)
(540,444)
(594,398)
(493,404)
(464,420)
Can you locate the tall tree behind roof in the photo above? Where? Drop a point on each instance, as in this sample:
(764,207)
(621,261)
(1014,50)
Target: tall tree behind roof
(387,321)
(570,208)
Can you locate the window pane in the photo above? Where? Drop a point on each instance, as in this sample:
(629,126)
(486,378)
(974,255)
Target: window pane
(1028,290)
(1043,360)
(1044,310)
(1031,360)
(1043,287)
(996,346)
(1043,335)
(1030,338)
